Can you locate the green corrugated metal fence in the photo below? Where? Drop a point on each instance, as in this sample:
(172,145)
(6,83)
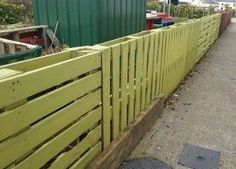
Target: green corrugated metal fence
(88,22)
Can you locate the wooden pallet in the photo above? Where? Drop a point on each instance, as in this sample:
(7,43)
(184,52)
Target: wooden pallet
(9,46)
(16,34)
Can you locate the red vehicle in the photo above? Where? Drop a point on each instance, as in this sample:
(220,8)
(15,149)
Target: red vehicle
(164,16)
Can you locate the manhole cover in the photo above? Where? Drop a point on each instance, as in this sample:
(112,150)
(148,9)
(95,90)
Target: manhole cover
(144,163)
(199,158)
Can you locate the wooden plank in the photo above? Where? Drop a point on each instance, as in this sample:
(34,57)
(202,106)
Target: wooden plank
(12,48)
(26,29)
(144,71)
(66,159)
(175,61)
(15,105)
(11,42)
(48,60)
(138,80)
(174,69)
(21,48)
(115,91)
(5,73)
(171,60)
(190,40)
(36,63)
(184,47)
(131,80)
(179,52)
(27,84)
(150,68)
(16,36)
(159,65)
(124,84)
(195,28)
(162,63)
(88,157)
(41,156)
(165,63)
(155,66)
(29,113)
(120,149)
(197,39)
(14,148)
(106,116)
(2,48)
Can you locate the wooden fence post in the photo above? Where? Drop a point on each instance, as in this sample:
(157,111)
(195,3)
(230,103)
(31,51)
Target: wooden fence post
(106,114)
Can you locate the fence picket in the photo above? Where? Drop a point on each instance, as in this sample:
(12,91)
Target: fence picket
(115,90)
(132,57)
(155,66)
(124,78)
(150,67)
(139,74)
(146,42)
(106,114)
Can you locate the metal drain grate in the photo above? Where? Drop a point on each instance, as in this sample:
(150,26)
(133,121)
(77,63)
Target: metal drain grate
(199,158)
(144,163)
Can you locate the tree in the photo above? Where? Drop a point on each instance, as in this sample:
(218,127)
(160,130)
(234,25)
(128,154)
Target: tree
(26,6)
(153,5)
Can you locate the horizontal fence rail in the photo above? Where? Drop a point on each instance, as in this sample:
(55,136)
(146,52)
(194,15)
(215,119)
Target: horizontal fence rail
(62,110)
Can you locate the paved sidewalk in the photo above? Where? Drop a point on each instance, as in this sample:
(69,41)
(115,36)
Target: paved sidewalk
(203,112)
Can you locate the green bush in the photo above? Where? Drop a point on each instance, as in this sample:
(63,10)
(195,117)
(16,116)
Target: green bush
(182,10)
(153,5)
(10,13)
(26,6)
(190,12)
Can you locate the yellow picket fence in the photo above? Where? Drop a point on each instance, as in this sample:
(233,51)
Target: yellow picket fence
(62,110)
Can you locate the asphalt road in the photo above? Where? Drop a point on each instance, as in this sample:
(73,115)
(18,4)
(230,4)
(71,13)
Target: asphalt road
(203,110)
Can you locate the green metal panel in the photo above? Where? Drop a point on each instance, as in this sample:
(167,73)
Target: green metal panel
(123,17)
(118,19)
(88,22)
